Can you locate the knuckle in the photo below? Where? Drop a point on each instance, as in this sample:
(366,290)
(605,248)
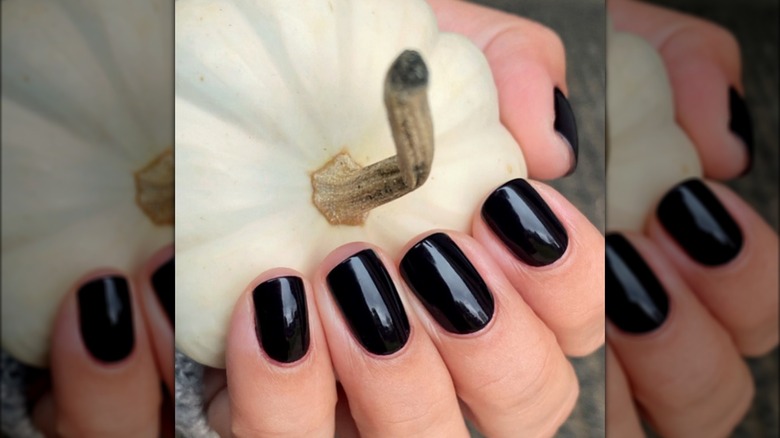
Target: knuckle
(292,424)
(720,38)
(705,38)
(757,334)
(550,40)
(720,381)
(517,391)
(718,416)
(582,333)
(409,417)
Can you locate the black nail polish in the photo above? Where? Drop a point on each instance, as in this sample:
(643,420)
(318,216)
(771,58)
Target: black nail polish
(448,285)
(163,285)
(523,221)
(369,301)
(106,318)
(635,300)
(281,318)
(565,124)
(740,123)
(695,218)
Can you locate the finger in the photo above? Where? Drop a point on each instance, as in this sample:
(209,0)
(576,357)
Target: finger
(681,364)
(622,416)
(104,378)
(703,64)
(44,415)
(345,424)
(514,379)
(279,377)
(529,68)
(157,289)
(216,400)
(552,255)
(728,256)
(395,381)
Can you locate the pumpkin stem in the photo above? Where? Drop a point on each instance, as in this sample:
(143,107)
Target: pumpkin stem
(154,188)
(344,191)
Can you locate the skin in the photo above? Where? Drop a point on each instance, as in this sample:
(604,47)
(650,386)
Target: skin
(88,398)
(516,378)
(688,378)
(507,372)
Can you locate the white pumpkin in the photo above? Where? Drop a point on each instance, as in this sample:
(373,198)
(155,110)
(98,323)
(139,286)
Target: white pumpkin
(269,91)
(87,143)
(648,153)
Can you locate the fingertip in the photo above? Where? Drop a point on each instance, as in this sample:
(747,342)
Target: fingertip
(84,334)
(157,285)
(275,340)
(566,126)
(102,366)
(552,255)
(719,244)
(273,306)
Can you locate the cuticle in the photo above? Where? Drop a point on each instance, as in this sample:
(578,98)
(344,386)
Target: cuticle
(392,355)
(287,365)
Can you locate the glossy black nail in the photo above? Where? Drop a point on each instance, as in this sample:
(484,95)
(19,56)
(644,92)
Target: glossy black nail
(163,285)
(524,222)
(740,123)
(449,286)
(106,318)
(369,301)
(281,318)
(695,218)
(566,125)
(635,300)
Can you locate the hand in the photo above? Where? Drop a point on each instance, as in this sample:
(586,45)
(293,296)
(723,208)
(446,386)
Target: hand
(514,360)
(709,300)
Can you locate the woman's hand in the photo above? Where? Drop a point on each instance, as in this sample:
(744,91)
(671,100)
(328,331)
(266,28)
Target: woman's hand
(472,324)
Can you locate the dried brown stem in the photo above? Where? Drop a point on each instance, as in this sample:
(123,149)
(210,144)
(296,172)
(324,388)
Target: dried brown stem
(345,192)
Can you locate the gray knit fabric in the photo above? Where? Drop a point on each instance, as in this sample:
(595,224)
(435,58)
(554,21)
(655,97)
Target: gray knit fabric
(14,420)
(190,418)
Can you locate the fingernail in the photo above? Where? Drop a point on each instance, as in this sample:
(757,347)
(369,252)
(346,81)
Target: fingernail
(106,318)
(695,218)
(369,302)
(281,318)
(163,285)
(741,124)
(566,125)
(448,285)
(635,300)
(525,224)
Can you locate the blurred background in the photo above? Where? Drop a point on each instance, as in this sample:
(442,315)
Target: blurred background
(755,25)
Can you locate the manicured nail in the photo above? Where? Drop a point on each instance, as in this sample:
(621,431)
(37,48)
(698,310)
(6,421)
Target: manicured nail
(523,221)
(635,300)
(566,125)
(106,318)
(281,318)
(740,123)
(163,285)
(369,302)
(448,285)
(695,218)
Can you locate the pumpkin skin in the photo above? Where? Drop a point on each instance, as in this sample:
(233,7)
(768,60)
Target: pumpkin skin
(648,153)
(83,109)
(267,92)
